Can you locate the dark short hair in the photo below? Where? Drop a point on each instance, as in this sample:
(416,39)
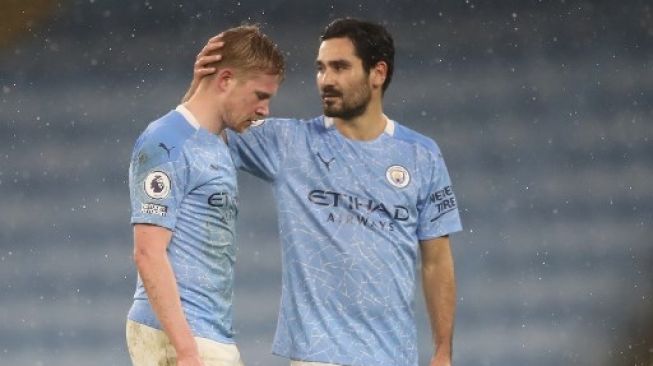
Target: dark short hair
(372,42)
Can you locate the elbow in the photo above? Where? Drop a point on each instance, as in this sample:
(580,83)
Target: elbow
(139,257)
(144,256)
(430,268)
(150,244)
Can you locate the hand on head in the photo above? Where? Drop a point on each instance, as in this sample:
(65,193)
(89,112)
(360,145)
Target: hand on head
(206,57)
(202,60)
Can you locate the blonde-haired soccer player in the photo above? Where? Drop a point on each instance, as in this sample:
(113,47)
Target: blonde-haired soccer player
(184,204)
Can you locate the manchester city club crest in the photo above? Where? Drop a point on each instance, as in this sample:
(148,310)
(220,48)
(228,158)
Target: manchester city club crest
(157,185)
(398,176)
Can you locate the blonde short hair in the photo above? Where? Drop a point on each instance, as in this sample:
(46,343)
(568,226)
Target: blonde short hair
(247,50)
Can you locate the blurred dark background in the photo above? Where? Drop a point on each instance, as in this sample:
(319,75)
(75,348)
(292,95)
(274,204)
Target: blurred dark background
(543,110)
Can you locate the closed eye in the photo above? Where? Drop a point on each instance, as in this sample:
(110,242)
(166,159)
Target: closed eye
(262,95)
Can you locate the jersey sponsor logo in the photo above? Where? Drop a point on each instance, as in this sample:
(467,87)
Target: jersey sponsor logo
(219,199)
(360,211)
(335,199)
(327,163)
(154,209)
(398,176)
(226,205)
(443,200)
(157,185)
(358,219)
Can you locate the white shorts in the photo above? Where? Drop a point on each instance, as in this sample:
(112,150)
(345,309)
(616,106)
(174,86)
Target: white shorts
(149,346)
(308,363)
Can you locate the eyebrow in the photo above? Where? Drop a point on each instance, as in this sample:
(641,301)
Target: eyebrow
(334,63)
(263,95)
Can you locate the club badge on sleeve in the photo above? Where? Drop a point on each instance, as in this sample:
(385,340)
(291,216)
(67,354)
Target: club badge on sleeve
(157,185)
(398,176)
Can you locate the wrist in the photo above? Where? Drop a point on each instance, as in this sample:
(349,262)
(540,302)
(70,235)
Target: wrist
(186,347)
(187,352)
(443,350)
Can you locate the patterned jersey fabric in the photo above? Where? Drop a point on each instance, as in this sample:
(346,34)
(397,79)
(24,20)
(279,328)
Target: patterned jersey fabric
(351,214)
(182,178)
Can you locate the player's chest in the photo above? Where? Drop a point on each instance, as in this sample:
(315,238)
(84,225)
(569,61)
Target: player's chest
(214,187)
(374,171)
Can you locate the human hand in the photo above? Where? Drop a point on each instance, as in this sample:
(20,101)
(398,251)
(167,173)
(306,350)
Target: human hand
(440,359)
(190,360)
(202,60)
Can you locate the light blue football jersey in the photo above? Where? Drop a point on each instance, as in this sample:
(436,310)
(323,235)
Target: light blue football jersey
(351,214)
(182,178)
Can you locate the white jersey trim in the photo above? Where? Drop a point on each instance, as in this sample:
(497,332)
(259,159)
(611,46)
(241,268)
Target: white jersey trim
(188,116)
(389,124)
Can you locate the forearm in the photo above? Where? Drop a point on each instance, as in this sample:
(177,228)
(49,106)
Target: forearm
(440,297)
(161,287)
(439,284)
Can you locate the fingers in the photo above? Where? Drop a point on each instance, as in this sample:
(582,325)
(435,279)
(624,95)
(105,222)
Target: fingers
(201,69)
(215,38)
(205,58)
(210,47)
(204,61)
(199,72)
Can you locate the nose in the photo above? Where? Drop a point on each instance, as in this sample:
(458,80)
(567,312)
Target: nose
(325,77)
(263,110)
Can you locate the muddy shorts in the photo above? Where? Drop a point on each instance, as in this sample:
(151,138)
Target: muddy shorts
(149,346)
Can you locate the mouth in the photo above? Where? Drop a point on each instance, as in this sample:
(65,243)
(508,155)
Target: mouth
(329,98)
(330,93)
(254,122)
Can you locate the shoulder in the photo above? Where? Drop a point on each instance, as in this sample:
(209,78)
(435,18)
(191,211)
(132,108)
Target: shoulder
(290,123)
(282,127)
(163,140)
(420,142)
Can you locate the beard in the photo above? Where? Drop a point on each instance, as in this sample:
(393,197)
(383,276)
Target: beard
(349,107)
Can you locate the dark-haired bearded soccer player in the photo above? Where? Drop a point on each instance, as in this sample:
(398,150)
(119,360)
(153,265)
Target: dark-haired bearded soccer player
(359,198)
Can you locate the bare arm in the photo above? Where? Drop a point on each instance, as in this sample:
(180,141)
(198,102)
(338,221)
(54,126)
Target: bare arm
(439,284)
(200,68)
(151,258)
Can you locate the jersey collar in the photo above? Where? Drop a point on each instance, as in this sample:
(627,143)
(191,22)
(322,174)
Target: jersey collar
(389,125)
(188,116)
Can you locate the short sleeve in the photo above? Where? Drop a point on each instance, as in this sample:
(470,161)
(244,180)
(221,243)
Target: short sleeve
(438,208)
(156,190)
(260,149)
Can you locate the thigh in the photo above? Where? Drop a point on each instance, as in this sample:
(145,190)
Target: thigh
(148,346)
(215,353)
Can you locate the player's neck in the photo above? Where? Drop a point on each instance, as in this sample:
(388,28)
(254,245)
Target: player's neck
(206,111)
(368,126)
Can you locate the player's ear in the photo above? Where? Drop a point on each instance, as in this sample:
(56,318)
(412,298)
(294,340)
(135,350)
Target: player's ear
(224,78)
(378,74)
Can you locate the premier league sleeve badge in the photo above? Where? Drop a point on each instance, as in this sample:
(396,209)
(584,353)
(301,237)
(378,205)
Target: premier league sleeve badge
(157,185)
